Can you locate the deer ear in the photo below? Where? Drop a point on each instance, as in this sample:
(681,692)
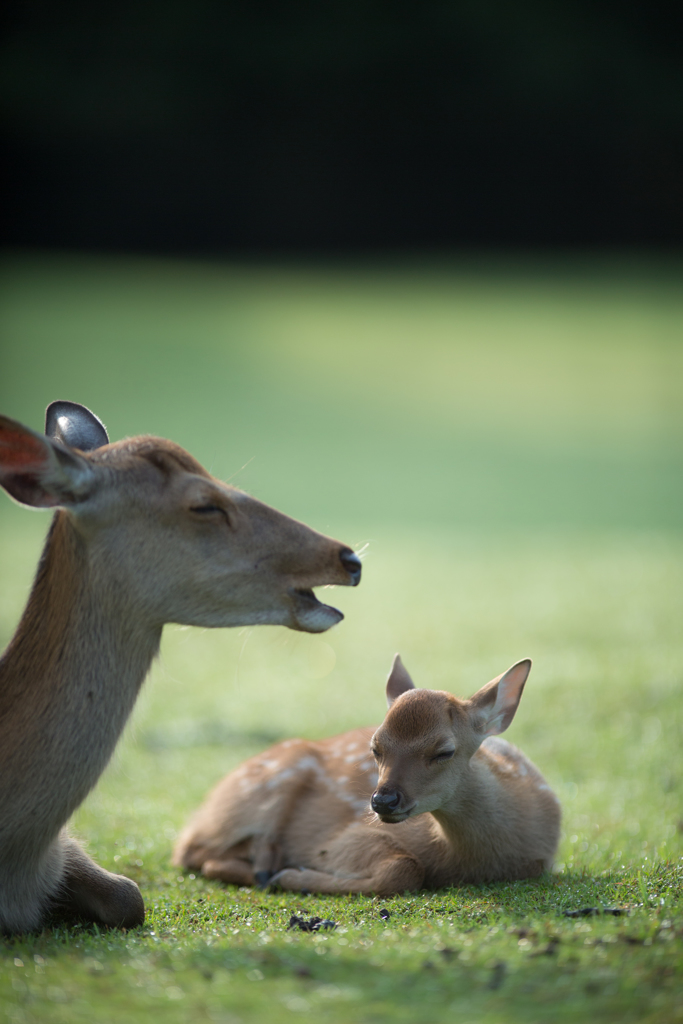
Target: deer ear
(398,682)
(494,706)
(39,472)
(75,426)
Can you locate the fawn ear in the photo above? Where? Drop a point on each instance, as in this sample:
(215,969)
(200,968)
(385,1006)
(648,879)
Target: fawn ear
(495,704)
(399,681)
(40,472)
(75,426)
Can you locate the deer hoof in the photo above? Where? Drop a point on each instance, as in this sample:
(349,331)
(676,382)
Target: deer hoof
(125,908)
(288,878)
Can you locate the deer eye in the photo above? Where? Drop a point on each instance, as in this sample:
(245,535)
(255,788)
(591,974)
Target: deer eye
(445,755)
(211,510)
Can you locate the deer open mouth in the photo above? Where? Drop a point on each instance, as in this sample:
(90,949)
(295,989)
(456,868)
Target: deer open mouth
(311,615)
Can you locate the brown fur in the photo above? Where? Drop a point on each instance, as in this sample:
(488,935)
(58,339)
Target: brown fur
(129,549)
(300,814)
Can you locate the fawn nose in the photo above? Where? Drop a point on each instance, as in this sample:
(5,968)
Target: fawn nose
(352,564)
(385,803)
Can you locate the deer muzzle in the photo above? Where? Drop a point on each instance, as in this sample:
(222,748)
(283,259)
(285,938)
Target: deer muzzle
(390,805)
(310,614)
(352,564)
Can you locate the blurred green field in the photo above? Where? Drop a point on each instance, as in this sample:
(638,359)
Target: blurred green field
(504,441)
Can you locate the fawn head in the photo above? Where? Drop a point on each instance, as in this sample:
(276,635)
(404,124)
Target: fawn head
(168,538)
(424,746)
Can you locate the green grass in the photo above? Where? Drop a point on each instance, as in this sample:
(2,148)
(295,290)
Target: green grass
(507,441)
(486,954)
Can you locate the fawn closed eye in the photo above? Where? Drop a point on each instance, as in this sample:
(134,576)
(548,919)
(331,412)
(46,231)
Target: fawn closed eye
(445,755)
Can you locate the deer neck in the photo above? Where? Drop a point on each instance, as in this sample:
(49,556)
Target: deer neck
(465,814)
(69,678)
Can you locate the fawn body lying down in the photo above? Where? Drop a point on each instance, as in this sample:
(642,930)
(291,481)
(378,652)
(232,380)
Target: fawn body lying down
(431,798)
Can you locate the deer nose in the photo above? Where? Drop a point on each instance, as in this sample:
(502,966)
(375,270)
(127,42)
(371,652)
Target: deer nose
(385,803)
(352,564)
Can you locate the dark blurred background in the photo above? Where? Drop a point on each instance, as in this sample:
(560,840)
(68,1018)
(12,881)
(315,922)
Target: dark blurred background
(218,126)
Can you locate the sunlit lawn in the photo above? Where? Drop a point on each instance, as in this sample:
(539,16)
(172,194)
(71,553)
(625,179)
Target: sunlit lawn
(507,443)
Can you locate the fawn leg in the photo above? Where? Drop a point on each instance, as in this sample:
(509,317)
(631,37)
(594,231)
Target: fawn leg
(257,853)
(268,848)
(255,870)
(247,870)
(90,893)
(396,874)
(230,869)
(267,852)
(267,859)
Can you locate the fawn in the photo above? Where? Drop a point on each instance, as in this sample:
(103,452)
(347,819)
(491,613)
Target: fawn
(431,798)
(143,535)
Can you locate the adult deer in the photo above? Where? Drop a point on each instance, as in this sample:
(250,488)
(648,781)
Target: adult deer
(143,535)
(452,803)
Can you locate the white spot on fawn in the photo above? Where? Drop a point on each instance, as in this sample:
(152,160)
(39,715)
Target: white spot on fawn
(278,779)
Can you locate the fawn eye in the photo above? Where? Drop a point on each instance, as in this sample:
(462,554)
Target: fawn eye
(445,755)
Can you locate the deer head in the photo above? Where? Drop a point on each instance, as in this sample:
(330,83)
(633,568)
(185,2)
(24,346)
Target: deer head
(425,744)
(160,532)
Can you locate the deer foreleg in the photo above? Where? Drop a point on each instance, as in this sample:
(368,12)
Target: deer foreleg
(392,875)
(231,869)
(267,859)
(240,847)
(90,893)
